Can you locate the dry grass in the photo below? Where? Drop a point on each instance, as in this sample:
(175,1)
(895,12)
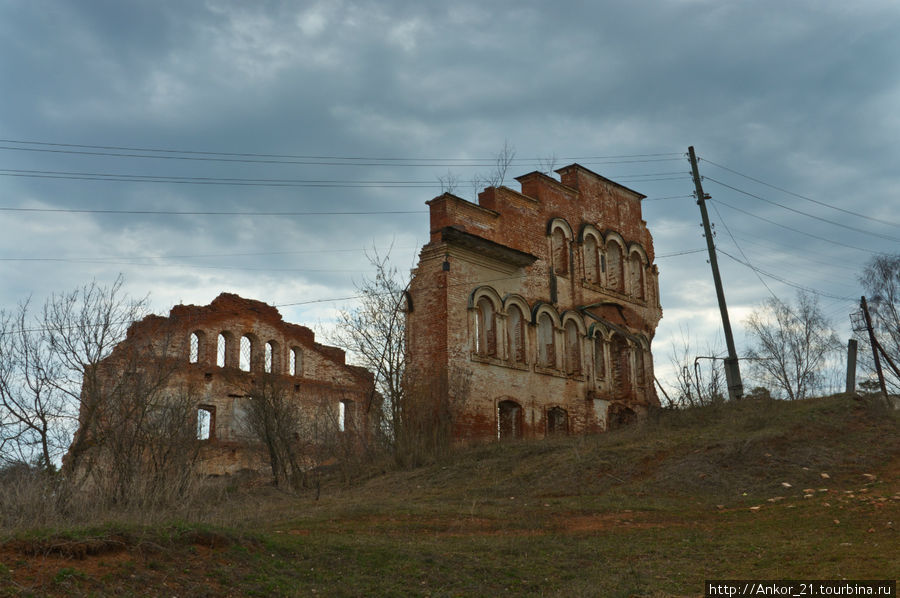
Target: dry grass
(647,511)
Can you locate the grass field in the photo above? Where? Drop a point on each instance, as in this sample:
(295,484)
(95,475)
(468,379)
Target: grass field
(755,489)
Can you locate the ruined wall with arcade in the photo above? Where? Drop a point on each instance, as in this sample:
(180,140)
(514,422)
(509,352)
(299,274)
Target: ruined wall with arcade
(215,353)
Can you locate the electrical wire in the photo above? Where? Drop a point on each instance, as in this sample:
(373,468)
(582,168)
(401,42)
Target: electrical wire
(733,240)
(487,161)
(210,213)
(804,197)
(323,161)
(783,280)
(784,226)
(245,182)
(807,214)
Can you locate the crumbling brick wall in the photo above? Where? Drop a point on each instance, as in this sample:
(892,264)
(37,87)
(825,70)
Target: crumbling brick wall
(548,298)
(217,351)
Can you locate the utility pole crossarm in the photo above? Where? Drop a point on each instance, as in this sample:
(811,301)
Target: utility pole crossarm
(732,369)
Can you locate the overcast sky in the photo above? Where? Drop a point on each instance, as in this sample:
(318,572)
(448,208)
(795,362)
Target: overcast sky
(360,106)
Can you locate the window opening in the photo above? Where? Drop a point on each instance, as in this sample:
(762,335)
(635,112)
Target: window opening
(621,369)
(485,328)
(195,348)
(546,344)
(591,260)
(221,344)
(269,357)
(347,416)
(205,423)
(246,353)
(509,420)
(614,262)
(557,421)
(560,251)
(573,349)
(516,329)
(599,358)
(637,276)
(295,365)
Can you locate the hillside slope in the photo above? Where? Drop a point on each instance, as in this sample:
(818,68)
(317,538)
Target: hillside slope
(756,489)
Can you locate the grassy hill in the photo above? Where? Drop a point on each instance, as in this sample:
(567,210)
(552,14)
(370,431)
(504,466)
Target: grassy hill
(755,489)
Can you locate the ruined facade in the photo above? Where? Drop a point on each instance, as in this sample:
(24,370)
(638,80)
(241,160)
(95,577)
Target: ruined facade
(548,300)
(214,354)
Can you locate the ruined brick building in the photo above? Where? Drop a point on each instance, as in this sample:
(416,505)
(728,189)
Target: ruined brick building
(547,298)
(215,352)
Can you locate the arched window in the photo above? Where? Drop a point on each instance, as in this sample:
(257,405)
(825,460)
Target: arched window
(546,341)
(246,353)
(637,276)
(270,356)
(559,248)
(621,361)
(347,416)
(509,420)
(194,356)
(573,349)
(515,328)
(221,350)
(485,328)
(206,422)
(615,276)
(599,358)
(640,373)
(557,421)
(591,260)
(296,362)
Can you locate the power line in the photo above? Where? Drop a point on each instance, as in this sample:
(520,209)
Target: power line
(319,161)
(247,182)
(783,280)
(733,240)
(796,211)
(210,213)
(833,242)
(486,161)
(810,199)
(199,255)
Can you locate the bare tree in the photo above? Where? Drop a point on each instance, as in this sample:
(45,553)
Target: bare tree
(792,345)
(47,365)
(412,411)
(36,419)
(881,281)
(68,368)
(274,418)
(698,379)
(375,334)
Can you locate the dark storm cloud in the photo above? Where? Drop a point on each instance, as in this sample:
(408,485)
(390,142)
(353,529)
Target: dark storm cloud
(802,95)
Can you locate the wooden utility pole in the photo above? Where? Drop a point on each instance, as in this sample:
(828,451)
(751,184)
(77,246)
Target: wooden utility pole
(875,346)
(732,369)
(851,366)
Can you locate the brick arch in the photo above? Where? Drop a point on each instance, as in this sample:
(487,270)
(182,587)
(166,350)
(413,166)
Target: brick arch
(485,291)
(561,223)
